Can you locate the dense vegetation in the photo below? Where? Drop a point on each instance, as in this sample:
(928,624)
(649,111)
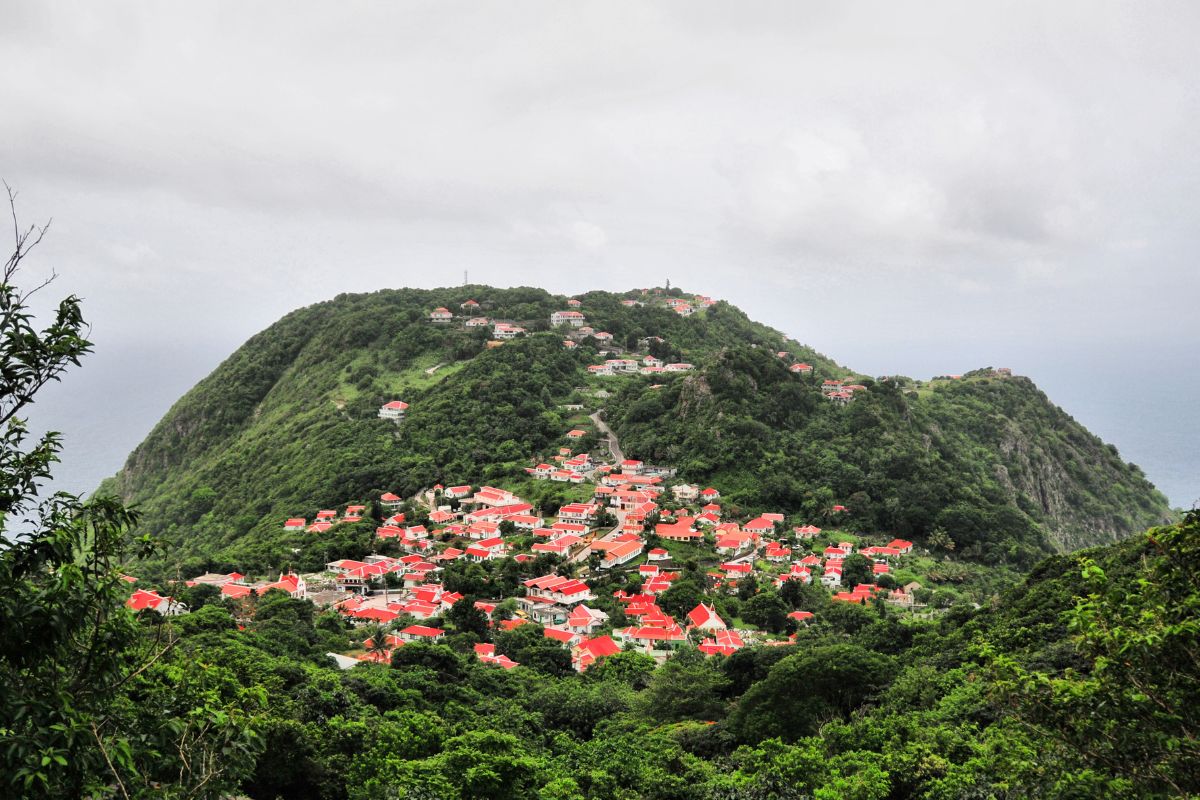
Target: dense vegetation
(1000,474)
(1081,683)
(287,425)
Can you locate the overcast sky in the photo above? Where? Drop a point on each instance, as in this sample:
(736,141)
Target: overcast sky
(910,187)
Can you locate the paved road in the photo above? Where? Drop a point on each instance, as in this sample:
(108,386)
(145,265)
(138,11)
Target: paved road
(598,536)
(613,446)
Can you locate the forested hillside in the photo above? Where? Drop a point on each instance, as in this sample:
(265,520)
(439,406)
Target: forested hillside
(987,459)
(288,424)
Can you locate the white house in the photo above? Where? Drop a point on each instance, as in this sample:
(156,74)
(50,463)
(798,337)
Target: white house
(578,512)
(503,330)
(685,492)
(573,318)
(393,410)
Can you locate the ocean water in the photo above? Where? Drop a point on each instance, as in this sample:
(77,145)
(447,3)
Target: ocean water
(1147,404)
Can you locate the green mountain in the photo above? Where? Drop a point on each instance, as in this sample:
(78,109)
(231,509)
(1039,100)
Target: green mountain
(288,424)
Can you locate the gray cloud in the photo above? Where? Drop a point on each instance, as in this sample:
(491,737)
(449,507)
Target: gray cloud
(875,178)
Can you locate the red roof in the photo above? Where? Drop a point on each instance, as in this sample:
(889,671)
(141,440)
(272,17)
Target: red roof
(600,646)
(376,614)
(422,630)
(558,635)
(704,614)
(143,599)
(235,590)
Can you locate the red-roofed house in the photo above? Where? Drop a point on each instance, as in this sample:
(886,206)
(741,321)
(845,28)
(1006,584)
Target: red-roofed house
(393,410)
(736,569)
(568,638)
(724,643)
(619,553)
(733,542)
(487,655)
(487,549)
(704,617)
(291,583)
(582,513)
(760,525)
(589,651)
(142,599)
(421,633)
(777,553)
(584,620)
(679,531)
(798,573)
(573,318)
(236,590)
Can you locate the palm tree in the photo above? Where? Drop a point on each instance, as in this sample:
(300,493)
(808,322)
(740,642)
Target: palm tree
(376,643)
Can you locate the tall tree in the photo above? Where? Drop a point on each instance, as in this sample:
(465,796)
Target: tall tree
(71,654)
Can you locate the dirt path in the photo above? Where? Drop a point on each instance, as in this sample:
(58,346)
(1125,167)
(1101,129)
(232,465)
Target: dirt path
(435,368)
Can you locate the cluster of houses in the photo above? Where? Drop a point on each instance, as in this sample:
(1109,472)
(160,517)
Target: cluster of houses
(488,523)
(326,519)
(649,365)
(502,330)
(232,585)
(841,391)
(385,588)
(407,586)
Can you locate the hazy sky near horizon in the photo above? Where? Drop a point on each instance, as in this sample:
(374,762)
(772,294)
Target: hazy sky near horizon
(886,181)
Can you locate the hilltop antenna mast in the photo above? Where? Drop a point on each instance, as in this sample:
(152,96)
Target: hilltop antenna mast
(464,277)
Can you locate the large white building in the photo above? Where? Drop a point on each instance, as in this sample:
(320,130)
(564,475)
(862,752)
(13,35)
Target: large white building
(572,318)
(393,410)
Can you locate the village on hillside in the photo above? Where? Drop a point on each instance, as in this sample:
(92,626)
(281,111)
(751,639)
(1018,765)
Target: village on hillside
(608,557)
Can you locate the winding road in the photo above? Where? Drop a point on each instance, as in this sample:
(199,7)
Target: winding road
(614,447)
